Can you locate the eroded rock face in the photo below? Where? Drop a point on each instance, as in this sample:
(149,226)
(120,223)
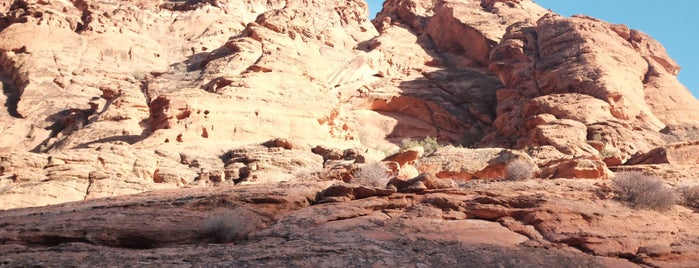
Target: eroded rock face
(591,72)
(122,97)
(467,164)
(681,154)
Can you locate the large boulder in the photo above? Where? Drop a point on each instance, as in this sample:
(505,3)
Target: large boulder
(679,154)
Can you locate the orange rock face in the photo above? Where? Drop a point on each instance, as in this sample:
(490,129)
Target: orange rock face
(588,71)
(125,97)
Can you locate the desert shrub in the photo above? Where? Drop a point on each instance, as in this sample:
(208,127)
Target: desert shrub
(140,76)
(519,170)
(643,191)
(428,144)
(608,152)
(373,174)
(689,196)
(597,137)
(230,226)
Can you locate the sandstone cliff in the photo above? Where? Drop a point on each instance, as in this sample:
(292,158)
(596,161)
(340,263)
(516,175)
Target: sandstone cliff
(108,98)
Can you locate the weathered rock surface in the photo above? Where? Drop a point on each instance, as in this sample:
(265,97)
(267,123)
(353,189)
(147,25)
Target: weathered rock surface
(679,154)
(489,73)
(483,225)
(571,68)
(466,164)
(124,97)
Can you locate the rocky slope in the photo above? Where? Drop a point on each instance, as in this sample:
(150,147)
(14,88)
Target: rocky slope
(125,97)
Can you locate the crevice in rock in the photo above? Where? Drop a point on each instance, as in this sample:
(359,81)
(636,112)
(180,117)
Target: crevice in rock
(187,5)
(649,72)
(577,243)
(12,93)
(14,14)
(90,181)
(534,41)
(55,240)
(64,123)
(85,17)
(128,241)
(134,242)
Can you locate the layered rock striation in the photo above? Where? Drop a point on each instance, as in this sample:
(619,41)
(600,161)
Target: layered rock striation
(187,100)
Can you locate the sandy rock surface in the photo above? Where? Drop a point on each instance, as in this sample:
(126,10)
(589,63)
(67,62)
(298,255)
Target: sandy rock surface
(478,224)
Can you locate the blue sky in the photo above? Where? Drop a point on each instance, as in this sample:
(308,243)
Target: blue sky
(672,23)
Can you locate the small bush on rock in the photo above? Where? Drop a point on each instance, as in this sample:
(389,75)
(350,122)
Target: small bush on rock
(689,196)
(519,170)
(373,174)
(428,144)
(643,191)
(231,226)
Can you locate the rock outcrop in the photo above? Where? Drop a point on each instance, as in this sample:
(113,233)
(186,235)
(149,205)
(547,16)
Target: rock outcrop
(255,111)
(486,225)
(592,74)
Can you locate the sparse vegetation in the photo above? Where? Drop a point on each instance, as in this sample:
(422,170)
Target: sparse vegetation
(180,67)
(139,76)
(519,170)
(689,196)
(428,144)
(231,226)
(643,191)
(373,174)
(597,137)
(608,152)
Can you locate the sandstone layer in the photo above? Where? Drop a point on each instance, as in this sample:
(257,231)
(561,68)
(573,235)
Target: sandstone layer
(539,223)
(208,105)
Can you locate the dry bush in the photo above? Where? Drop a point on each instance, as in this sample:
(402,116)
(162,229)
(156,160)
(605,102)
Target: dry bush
(231,226)
(373,174)
(643,191)
(519,170)
(689,196)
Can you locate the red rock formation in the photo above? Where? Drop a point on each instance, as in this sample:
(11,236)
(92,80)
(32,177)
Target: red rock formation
(681,154)
(572,69)
(489,226)
(124,97)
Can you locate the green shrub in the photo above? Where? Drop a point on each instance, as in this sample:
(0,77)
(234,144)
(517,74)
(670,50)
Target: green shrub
(597,137)
(608,152)
(428,144)
(643,191)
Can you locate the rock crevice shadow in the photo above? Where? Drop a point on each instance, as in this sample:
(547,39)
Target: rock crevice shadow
(12,94)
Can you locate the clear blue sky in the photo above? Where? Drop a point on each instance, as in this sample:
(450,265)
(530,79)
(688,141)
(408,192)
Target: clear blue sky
(673,23)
